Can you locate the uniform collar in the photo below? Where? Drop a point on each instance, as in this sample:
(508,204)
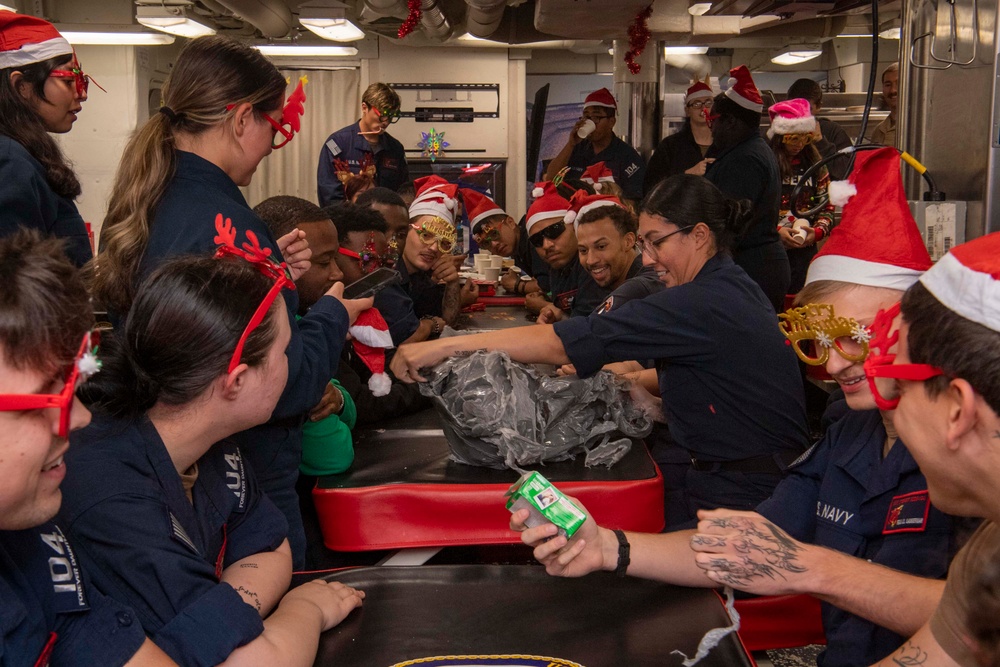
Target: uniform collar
(196,168)
(858,463)
(358,141)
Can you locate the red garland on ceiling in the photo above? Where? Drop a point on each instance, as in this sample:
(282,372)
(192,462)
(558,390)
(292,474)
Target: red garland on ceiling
(412,19)
(638,37)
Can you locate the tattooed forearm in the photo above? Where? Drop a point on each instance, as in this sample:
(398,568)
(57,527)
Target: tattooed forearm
(910,654)
(253,565)
(249,596)
(451,305)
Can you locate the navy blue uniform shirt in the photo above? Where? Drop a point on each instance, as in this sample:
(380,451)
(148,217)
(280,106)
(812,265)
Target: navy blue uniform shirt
(27,200)
(749,170)
(184,223)
(47,606)
(144,543)
(346,144)
(846,497)
(396,307)
(626,165)
(427,295)
(565,284)
(731,388)
(526,258)
(590,296)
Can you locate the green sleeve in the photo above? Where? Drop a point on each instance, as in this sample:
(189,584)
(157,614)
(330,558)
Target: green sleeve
(327,445)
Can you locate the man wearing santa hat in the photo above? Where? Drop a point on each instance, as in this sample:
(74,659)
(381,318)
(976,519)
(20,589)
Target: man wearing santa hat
(593,139)
(684,151)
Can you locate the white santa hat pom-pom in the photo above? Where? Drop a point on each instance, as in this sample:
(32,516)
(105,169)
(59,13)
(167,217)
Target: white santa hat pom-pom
(537,192)
(570,217)
(840,192)
(598,186)
(731,82)
(380,384)
(449,203)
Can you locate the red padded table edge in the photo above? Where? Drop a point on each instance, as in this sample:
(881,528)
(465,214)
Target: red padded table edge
(781,621)
(402,516)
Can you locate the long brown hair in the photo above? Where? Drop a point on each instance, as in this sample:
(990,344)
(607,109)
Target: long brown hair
(809,152)
(22,124)
(210,74)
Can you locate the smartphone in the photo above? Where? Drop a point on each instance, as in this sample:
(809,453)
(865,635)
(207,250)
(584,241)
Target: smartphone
(372,284)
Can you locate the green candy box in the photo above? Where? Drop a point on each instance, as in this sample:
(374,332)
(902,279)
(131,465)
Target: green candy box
(545,504)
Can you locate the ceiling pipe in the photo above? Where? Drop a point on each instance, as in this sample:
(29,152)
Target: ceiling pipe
(433,21)
(484,16)
(375,9)
(696,65)
(271,17)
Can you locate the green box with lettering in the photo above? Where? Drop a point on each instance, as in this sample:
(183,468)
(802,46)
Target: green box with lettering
(545,504)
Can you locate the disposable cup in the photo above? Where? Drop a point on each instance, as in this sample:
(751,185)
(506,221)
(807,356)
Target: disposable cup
(492,275)
(586,129)
(496,262)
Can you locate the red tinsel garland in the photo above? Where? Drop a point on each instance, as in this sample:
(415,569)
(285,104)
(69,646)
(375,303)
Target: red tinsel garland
(638,37)
(412,19)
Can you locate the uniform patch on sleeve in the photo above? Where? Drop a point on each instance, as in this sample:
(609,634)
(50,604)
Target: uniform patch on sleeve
(908,513)
(64,571)
(181,535)
(334,148)
(606,307)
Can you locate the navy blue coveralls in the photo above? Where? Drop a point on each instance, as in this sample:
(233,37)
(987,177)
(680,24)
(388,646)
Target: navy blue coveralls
(184,223)
(731,389)
(590,296)
(396,307)
(27,200)
(346,144)
(146,544)
(48,607)
(526,258)
(427,296)
(626,165)
(846,497)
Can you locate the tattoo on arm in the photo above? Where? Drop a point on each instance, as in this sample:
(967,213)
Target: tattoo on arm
(910,654)
(249,595)
(451,303)
(709,540)
(253,565)
(760,553)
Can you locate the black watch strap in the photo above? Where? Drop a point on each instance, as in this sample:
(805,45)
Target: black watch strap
(624,551)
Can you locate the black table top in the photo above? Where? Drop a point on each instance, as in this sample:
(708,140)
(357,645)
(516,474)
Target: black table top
(412,613)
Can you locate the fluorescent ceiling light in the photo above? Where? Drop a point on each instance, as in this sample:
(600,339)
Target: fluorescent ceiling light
(793,55)
(469,37)
(297,50)
(685,50)
(699,8)
(176,25)
(890,29)
(335,30)
(5,8)
(122,38)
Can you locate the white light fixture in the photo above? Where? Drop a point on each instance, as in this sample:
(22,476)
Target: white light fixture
(699,8)
(170,22)
(685,50)
(335,30)
(116,38)
(800,53)
(5,8)
(293,50)
(891,29)
(469,37)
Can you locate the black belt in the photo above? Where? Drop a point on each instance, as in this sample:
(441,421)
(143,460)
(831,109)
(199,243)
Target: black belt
(776,463)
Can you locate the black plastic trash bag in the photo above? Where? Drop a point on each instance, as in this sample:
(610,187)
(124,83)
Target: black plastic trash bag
(501,414)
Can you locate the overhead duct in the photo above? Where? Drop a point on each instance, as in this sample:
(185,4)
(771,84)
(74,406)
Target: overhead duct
(376,9)
(696,65)
(483,17)
(433,21)
(271,17)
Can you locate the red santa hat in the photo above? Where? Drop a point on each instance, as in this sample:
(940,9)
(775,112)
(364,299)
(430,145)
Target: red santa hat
(435,196)
(601,98)
(877,242)
(548,204)
(596,174)
(743,90)
(581,203)
(699,90)
(479,207)
(791,117)
(371,340)
(25,40)
(967,280)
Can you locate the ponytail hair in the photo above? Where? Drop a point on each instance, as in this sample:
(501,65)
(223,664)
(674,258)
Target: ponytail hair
(685,200)
(211,74)
(23,124)
(180,334)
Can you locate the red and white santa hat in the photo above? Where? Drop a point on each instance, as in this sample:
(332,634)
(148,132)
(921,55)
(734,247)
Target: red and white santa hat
(548,204)
(743,90)
(479,207)
(371,340)
(967,280)
(699,90)
(877,242)
(791,117)
(25,40)
(581,203)
(596,174)
(435,196)
(601,98)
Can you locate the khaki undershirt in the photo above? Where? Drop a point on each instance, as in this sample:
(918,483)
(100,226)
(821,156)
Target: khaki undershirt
(188,478)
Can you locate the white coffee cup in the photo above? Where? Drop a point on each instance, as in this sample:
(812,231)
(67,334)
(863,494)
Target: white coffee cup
(492,275)
(496,261)
(586,129)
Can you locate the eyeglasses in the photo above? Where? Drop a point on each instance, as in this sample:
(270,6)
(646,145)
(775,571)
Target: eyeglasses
(487,236)
(797,138)
(700,104)
(650,248)
(368,259)
(84,365)
(81,80)
(391,116)
(552,232)
(595,117)
(815,329)
(429,238)
(881,365)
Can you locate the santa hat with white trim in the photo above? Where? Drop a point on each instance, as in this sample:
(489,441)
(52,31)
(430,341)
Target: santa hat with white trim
(25,40)
(479,207)
(596,174)
(877,242)
(743,91)
(967,280)
(791,117)
(697,91)
(601,98)
(581,203)
(435,196)
(371,339)
(548,204)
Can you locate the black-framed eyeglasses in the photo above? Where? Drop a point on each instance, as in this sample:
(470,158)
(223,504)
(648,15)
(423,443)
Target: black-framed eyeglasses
(552,232)
(700,104)
(389,115)
(650,248)
(595,118)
